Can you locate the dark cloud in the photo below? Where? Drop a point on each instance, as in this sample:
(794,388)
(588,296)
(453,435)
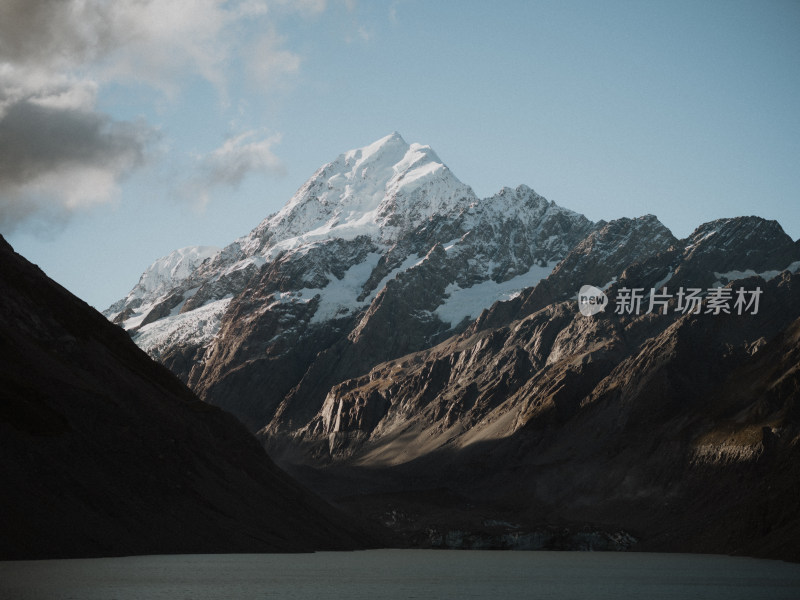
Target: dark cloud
(55,160)
(36,139)
(58,153)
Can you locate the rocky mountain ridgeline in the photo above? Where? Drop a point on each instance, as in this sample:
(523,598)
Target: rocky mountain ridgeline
(401,345)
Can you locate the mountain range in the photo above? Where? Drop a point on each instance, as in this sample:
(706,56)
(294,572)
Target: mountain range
(416,355)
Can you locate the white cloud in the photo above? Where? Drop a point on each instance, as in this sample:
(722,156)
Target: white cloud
(71,95)
(270,64)
(364,34)
(227,166)
(239,156)
(58,153)
(159,42)
(303,7)
(148,41)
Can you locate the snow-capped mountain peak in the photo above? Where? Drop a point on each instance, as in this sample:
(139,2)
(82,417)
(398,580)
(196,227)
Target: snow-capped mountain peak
(392,145)
(377,190)
(383,236)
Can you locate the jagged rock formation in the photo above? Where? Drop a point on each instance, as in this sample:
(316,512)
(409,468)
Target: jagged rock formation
(105,452)
(502,357)
(670,426)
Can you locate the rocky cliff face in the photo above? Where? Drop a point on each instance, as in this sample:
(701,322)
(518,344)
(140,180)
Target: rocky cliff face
(514,353)
(669,425)
(105,452)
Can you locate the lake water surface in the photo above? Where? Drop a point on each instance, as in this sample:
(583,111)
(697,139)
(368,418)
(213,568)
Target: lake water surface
(403,574)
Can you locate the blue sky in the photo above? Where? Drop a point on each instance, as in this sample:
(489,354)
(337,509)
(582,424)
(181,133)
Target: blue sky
(131,129)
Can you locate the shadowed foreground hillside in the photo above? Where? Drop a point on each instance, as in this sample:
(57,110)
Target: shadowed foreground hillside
(104,452)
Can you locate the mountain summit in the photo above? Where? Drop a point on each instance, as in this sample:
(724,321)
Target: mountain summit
(379,191)
(383,238)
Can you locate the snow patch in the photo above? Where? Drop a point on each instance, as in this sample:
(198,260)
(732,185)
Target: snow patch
(138,316)
(257,261)
(453,244)
(659,285)
(724,278)
(199,326)
(411,260)
(339,297)
(462,303)
(610,283)
(698,241)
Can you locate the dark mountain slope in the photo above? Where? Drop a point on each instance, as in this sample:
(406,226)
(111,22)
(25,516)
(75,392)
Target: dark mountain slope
(104,452)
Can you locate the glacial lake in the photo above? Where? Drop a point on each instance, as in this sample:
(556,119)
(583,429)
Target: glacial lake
(439,574)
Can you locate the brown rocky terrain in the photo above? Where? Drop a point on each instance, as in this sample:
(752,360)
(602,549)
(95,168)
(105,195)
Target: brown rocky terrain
(680,430)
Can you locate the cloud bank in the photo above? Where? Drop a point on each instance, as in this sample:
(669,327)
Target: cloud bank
(58,152)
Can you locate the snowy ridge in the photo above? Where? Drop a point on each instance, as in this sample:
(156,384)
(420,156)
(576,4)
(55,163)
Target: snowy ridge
(373,197)
(198,326)
(724,278)
(164,274)
(375,191)
(173,268)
